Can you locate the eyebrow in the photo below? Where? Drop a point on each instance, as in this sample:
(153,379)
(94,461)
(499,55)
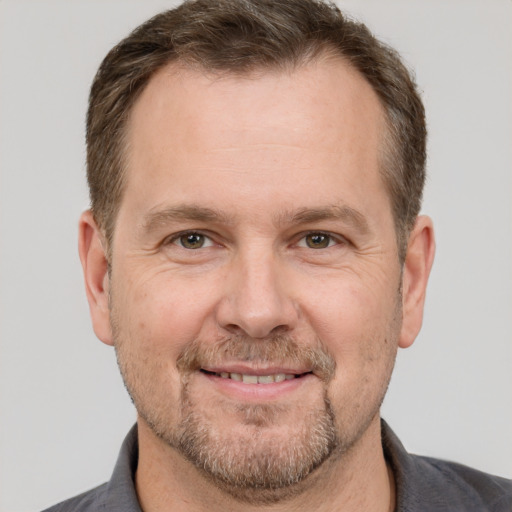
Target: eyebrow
(343,213)
(154,220)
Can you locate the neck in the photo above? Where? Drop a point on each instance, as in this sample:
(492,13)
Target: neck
(353,481)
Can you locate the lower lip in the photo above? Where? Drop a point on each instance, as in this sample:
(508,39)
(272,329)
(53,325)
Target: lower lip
(257,392)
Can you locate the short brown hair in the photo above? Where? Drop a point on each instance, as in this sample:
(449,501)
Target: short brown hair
(239,36)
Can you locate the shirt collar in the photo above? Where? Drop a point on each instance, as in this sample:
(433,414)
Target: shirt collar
(120,494)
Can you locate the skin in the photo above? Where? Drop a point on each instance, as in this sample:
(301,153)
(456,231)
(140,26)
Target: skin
(277,156)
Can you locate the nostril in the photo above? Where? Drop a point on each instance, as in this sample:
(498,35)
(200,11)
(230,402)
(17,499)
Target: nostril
(234,329)
(280,329)
(254,333)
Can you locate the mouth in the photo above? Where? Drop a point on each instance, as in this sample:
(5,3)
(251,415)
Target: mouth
(250,378)
(249,384)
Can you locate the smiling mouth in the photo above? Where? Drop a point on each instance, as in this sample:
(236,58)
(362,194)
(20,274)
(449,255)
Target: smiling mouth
(255,379)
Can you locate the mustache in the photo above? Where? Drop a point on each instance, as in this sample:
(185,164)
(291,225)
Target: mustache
(279,350)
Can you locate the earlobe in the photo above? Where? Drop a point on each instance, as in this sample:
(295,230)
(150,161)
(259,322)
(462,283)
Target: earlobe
(93,256)
(417,265)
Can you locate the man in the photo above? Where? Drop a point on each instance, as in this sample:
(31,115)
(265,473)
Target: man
(255,255)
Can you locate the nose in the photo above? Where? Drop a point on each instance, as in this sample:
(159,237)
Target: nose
(255,299)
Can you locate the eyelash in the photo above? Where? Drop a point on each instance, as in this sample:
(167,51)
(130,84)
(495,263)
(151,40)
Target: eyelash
(332,239)
(174,239)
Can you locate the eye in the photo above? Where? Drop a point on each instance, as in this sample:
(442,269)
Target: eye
(192,240)
(317,241)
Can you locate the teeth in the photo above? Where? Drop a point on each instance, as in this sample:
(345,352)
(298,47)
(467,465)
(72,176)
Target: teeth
(256,379)
(266,379)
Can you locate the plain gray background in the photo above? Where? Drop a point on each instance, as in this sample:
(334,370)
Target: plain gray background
(64,411)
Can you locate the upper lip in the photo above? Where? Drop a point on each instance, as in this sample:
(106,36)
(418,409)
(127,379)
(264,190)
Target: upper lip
(251,370)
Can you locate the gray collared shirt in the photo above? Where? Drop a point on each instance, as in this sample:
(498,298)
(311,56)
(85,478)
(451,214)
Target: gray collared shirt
(422,484)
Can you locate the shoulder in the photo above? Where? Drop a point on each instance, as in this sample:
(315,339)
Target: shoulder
(118,494)
(435,485)
(89,501)
(451,486)
(462,485)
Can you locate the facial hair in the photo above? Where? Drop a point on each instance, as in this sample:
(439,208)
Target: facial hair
(256,466)
(253,466)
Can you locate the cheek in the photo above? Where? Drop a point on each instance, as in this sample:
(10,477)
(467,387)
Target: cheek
(345,314)
(359,326)
(160,314)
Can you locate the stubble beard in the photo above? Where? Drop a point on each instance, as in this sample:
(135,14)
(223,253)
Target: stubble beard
(254,467)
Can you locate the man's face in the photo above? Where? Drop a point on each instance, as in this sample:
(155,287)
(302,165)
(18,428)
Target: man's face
(255,283)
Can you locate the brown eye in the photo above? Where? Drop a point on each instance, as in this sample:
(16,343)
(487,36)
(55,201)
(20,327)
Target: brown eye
(192,240)
(317,240)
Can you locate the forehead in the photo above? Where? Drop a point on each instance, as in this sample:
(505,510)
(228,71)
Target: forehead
(308,120)
(322,92)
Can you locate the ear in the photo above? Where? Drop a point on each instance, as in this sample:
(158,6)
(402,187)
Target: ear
(93,256)
(417,265)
